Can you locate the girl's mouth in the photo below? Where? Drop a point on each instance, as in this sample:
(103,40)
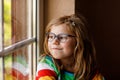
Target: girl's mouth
(56,48)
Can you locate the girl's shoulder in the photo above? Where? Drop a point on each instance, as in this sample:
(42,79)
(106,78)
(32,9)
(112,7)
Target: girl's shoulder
(46,69)
(45,59)
(47,62)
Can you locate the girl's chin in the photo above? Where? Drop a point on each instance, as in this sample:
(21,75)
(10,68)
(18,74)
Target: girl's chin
(57,56)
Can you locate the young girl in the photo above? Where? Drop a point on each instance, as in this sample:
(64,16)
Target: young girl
(69,51)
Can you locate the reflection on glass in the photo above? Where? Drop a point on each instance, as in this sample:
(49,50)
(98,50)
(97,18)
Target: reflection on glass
(7,22)
(16,21)
(1,68)
(19,22)
(8,67)
(17,65)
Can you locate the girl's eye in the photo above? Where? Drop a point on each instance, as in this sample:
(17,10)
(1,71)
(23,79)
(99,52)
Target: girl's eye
(50,37)
(62,38)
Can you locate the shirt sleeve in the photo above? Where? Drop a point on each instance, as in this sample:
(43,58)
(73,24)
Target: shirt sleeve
(45,71)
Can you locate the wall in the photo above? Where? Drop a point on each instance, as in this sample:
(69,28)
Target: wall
(50,9)
(57,8)
(104,19)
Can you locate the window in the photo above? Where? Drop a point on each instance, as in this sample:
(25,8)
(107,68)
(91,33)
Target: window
(18,39)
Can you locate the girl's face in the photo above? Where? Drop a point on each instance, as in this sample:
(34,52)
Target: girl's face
(61,42)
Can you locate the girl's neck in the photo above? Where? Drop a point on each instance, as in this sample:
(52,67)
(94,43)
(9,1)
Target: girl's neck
(68,64)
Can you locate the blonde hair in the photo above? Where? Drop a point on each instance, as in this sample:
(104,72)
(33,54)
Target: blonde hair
(84,53)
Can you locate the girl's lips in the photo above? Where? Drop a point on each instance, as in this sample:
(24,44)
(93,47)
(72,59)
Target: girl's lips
(56,48)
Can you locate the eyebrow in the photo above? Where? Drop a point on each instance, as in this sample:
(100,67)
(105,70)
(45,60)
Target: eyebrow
(62,34)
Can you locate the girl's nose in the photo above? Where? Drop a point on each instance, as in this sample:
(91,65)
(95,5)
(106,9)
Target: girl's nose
(56,41)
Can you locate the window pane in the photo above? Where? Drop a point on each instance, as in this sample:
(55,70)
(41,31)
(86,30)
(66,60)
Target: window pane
(18,21)
(7,22)
(19,25)
(1,25)
(18,65)
(8,67)
(1,68)
(1,40)
(19,18)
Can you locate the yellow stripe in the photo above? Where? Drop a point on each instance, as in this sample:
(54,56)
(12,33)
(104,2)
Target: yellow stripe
(47,78)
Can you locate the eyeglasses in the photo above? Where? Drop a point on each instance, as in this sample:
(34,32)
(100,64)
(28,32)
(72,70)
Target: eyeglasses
(61,37)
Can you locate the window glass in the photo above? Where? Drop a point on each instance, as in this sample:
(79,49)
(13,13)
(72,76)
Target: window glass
(7,22)
(8,67)
(18,20)
(17,65)
(18,28)
(1,68)
(21,20)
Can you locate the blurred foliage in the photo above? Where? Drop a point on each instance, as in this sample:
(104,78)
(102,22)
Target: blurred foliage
(7,38)
(7,22)
(7,11)
(8,67)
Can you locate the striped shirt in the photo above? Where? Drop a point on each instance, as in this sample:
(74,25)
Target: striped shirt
(47,70)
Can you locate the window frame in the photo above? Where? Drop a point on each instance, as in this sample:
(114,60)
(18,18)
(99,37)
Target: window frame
(37,45)
(1,36)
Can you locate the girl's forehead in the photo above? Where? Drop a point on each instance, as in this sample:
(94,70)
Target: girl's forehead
(60,28)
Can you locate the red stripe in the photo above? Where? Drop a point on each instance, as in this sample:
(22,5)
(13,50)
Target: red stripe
(18,74)
(46,72)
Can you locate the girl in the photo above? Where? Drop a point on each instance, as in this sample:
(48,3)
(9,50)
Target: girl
(69,51)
